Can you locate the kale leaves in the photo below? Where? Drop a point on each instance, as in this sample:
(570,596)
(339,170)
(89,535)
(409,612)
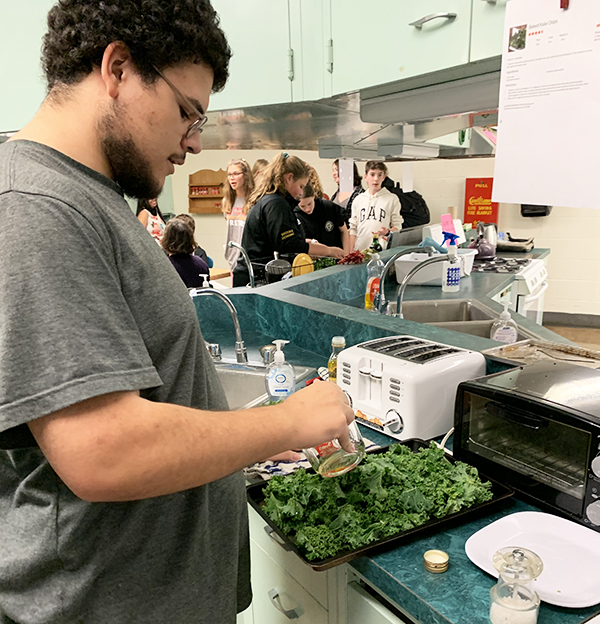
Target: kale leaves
(385,495)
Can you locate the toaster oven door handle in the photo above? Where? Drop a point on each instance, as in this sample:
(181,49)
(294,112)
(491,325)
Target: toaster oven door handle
(517,416)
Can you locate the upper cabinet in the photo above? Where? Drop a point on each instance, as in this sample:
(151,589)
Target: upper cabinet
(310,40)
(488,28)
(298,50)
(396,39)
(258,34)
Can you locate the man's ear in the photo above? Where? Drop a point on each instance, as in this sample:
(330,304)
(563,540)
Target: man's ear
(116,66)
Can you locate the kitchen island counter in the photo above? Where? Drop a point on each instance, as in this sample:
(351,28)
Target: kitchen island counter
(310,309)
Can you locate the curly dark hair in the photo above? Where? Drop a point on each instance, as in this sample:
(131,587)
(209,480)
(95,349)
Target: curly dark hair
(158,34)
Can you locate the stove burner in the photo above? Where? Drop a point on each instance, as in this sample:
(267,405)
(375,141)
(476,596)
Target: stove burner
(500,265)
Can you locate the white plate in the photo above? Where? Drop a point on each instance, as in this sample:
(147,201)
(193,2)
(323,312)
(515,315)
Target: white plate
(570,553)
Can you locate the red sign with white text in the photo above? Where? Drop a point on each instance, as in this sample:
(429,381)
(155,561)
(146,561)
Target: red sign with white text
(478,201)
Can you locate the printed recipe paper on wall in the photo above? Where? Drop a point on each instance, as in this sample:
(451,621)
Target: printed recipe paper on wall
(549,101)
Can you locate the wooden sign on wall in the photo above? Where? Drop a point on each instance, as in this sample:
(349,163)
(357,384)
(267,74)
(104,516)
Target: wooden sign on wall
(205,191)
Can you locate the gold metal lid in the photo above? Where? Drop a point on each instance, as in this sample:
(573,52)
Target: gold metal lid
(435,561)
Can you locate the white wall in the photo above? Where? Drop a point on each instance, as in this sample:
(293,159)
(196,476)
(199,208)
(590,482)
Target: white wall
(572,234)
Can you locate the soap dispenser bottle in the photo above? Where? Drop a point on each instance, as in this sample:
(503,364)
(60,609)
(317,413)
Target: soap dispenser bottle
(280,379)
(504,329)
(451,267)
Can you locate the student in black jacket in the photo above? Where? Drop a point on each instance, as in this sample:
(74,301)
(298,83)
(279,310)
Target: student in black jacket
(322,220)
(271,224)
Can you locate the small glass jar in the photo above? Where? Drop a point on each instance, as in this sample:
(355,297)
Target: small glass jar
(331,460)
(513,599)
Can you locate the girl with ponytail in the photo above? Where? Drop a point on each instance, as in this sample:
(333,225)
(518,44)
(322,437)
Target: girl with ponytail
(271,224)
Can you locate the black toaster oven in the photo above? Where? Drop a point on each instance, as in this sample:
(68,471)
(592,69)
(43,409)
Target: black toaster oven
(536,428)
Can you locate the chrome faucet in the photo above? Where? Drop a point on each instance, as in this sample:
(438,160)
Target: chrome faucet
(240,349)
(414,270)
(247,260)
(380,303)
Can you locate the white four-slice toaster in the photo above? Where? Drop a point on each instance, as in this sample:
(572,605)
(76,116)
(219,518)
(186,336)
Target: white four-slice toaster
(406,386)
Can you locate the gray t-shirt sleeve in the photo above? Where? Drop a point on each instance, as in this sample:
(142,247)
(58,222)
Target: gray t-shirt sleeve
(66,332)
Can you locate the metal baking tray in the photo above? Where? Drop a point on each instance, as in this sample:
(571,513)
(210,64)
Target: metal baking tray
(255,494)
(532,350)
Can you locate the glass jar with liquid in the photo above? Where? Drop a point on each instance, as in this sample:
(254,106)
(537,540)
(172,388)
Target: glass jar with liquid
(331,460)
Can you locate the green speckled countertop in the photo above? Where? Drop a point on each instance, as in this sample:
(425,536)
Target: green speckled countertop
(461,595)
(308,311)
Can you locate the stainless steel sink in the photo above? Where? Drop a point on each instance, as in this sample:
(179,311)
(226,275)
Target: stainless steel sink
(444,311)
(244,384)
(467,316)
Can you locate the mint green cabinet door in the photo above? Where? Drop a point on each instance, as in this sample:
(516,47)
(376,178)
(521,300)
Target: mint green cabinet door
(21,76)
(487,30)
(258,34)
(310,33)
(375,43)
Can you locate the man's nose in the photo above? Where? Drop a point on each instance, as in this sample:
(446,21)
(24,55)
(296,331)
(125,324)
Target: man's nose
(193,144)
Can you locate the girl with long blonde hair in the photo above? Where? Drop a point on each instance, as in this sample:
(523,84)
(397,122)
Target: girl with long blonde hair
(238,186)
(271,224)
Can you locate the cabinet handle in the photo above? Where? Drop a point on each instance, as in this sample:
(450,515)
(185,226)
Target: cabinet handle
(490,1)
(329,64)
(271,533)
(290,64)
(291,614)
(419,23)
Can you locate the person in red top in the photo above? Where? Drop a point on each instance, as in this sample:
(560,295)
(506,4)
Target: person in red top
(151,217)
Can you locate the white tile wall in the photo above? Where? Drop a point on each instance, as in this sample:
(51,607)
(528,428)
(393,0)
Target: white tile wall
(573,234)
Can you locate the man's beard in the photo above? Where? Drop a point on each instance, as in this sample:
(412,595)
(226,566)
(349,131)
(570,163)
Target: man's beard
(130,168)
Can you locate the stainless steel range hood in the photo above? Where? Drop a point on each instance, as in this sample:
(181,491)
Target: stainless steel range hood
(396,121)
(407,119)
(455,91)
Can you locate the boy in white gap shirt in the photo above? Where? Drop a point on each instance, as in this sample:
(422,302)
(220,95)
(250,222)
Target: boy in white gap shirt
(374,212)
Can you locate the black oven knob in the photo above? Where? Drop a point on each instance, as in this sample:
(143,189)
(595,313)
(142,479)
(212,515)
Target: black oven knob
(596,466)
(593,513)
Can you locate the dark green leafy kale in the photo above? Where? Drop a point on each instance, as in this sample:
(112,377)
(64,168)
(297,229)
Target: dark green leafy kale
(323,263)
(385,495)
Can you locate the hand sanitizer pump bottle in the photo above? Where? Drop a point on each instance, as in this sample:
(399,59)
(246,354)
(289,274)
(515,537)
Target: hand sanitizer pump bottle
(504,329)
(280,379)
(451,267)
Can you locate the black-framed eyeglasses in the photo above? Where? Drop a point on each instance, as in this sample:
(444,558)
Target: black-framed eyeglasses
(196,126)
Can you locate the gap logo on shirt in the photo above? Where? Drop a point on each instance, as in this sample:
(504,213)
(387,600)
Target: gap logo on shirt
(371,214)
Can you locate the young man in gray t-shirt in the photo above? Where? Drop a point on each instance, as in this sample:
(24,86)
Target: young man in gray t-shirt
(121,500)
